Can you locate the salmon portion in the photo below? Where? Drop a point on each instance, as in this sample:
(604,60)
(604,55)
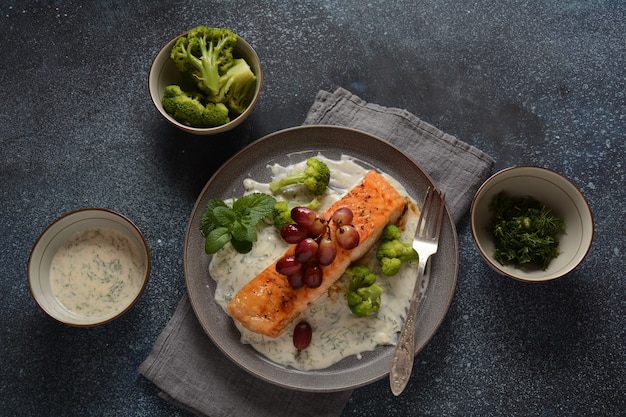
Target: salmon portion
(268,304)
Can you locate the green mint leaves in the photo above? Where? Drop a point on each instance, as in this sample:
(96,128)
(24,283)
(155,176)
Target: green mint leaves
(221,224)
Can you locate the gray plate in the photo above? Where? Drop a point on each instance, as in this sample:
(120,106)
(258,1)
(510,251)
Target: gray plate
(290,146)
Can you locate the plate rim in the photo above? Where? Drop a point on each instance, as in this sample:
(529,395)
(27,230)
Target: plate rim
(275,377)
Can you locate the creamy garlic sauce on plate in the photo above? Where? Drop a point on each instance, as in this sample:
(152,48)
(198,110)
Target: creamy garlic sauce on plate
(96,272)
(337,333)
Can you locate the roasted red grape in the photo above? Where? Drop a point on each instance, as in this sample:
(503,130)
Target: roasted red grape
(306,250)
(293,233)
(313,275)
(347,236)
(288,265)
(304,216)
(326,251)
(342,216)
(302,335)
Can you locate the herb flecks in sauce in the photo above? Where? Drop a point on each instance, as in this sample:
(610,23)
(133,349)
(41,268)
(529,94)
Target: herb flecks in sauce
(337,332)
(526,233)
(95,272)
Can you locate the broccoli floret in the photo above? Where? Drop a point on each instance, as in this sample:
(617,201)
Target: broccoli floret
(205,56)
(281,215)
(315,177)
(188,108)
(392,252)
(391,232)
(236,85)
(363,293)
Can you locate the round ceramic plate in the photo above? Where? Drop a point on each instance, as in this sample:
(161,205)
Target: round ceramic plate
(291,146)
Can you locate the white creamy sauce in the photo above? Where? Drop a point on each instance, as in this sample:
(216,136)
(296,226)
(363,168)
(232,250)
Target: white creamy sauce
(337,333)
(96,272)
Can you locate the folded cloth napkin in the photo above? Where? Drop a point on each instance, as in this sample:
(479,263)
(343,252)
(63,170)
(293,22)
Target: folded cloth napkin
(455,167)
(193,373)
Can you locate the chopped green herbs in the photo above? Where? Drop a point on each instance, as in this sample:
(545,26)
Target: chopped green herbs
(525,231)
(221,224)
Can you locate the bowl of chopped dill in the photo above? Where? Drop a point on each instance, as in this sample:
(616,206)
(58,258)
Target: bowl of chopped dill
(531,223)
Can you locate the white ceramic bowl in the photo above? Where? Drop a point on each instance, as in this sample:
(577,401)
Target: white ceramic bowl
(163,73)
(555,192)
(131,246)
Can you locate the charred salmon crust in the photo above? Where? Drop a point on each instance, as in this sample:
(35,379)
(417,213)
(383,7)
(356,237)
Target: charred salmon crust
(268,304)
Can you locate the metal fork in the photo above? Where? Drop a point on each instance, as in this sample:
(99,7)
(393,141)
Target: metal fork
(425,243)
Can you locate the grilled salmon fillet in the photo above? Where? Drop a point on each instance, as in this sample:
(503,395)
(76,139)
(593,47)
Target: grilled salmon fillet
(267,304)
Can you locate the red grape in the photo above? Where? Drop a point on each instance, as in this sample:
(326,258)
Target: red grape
(304,216)
(318,227)
(347,237)
(342,216)
(296,279)
(306,250)
(288,265)
(293,233)
(326,251)
(302,335)
(313,275)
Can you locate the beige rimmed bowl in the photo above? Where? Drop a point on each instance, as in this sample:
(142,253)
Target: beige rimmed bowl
(67,228)
(555,192)
(163,72)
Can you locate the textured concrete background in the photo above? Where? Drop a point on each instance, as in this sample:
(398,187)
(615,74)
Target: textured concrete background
(529,82)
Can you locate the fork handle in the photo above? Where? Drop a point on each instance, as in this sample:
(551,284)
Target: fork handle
(404,354)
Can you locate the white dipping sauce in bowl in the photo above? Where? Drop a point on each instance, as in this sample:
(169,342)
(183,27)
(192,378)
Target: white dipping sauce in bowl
(88,267)
(95,272)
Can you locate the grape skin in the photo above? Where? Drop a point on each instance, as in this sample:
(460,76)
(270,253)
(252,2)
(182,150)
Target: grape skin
(343,216)
(305,250)
(293,233)
(326,252)
(347,237)
(313,275)
(304,216)
(302,335)
(288,265)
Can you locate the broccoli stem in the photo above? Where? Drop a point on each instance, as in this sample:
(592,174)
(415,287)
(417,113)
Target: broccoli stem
(285,181)
(208,69)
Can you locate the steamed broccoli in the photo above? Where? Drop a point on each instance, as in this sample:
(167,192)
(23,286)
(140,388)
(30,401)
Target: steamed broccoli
(281,215)
(392,252)
(236,85)
(363,293)
(187,108)
(315,177)
(205,56)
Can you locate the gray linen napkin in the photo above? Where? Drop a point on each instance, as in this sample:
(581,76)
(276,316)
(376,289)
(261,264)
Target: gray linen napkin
(193,373)
(456,167)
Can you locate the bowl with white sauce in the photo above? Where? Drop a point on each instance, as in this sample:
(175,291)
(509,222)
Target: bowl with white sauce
(88,267)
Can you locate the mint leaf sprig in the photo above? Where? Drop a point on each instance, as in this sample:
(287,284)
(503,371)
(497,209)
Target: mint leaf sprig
(221,224)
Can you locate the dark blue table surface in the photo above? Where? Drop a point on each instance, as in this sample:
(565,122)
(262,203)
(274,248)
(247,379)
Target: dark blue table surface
(529,82)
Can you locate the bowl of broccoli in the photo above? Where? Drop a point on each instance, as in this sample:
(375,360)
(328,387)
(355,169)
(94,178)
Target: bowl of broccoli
(531,223)
(206,81)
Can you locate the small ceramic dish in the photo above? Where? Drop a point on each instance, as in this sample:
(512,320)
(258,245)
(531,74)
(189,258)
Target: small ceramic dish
(88,267)
(163,72)
(555,192)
